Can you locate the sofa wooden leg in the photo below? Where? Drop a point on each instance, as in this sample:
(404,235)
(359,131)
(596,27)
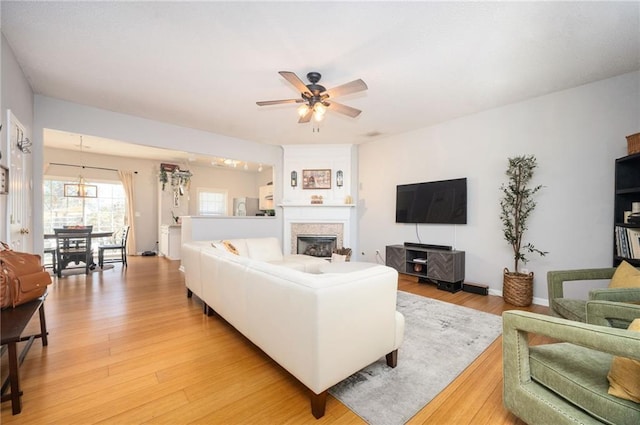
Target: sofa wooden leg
(318,404)
(189,293)
(392,358)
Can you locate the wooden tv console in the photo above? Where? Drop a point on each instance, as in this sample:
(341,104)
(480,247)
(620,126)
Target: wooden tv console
(443,267)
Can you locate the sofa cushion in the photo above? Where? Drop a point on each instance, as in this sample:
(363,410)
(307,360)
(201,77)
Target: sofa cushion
(264,249)
(571,309)
(289,264)
(626,276)
(624,376)
(579,375)
(309,263)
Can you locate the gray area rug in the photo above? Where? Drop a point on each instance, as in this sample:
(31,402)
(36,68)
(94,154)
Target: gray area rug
(440,341)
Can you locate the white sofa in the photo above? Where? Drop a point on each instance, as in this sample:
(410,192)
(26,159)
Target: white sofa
(321,328)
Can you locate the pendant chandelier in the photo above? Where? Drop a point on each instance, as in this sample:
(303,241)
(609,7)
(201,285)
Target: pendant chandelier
(80,189)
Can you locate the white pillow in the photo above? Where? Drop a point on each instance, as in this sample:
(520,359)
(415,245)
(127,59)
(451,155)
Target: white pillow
(337,258)
(264,249)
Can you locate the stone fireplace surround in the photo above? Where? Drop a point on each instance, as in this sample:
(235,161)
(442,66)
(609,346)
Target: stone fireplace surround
(316,229)
(331,220)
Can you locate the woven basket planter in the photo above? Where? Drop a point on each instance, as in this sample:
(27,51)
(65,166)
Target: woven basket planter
(517,288)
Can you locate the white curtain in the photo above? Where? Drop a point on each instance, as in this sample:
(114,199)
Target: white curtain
(126,177)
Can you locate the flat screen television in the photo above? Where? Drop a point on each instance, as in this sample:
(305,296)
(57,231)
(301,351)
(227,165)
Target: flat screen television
(441,202)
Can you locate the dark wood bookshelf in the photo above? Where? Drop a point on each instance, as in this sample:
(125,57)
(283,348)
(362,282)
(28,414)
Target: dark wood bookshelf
(627,191)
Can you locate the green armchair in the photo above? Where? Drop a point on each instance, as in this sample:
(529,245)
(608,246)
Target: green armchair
(566,382)
(575,309)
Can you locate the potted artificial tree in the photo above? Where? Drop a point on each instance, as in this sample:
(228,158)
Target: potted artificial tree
(516,205)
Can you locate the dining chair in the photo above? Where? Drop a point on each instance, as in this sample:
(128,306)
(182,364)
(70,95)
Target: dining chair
(50,250)
(73,245)
(119,243)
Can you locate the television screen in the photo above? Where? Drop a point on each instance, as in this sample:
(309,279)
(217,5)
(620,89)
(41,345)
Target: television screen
(443,202)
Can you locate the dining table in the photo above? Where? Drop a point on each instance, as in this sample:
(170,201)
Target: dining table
(94,235)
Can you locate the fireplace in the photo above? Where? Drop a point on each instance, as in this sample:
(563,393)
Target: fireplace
(317,245)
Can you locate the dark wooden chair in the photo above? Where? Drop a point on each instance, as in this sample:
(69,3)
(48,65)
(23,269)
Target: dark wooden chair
(73,247)
(51,251)
(119,244)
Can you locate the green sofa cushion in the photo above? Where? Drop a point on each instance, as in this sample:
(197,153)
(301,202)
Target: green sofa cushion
(571,309)
(579,375)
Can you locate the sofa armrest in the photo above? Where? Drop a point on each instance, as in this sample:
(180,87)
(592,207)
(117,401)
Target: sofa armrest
(608,313)
(557,278)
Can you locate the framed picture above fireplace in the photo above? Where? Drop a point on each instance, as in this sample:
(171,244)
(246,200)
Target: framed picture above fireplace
(316,179)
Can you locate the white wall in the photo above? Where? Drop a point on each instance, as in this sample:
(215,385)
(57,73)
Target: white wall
(16,95)
(318,157)
(66,116)
(575,134)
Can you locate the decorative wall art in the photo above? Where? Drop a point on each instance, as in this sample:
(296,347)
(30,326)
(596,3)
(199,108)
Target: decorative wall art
(316,179)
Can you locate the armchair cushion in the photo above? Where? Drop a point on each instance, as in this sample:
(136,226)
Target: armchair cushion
(626,276)
(571,309)
(579,375)
(624,376)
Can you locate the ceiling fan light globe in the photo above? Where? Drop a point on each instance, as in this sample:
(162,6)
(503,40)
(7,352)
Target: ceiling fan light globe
(319,108)
(303,110)
(318,117)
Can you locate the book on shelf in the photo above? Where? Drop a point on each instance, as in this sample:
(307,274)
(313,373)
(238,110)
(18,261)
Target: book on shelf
(627,242)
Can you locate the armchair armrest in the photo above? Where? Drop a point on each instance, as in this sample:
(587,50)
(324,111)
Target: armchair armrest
(556,279)
(615,294)
(618,342)
(608,313)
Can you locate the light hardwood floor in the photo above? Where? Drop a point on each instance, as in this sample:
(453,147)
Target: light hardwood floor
(128,347)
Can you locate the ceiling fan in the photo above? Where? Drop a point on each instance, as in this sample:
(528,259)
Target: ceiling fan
(316,99)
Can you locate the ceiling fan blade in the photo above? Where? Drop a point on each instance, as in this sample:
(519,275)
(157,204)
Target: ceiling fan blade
(348,88)
(343,109)
(277,102)
(295,81)
(306,117)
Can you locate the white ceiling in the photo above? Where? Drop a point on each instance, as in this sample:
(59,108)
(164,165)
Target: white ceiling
(205,64)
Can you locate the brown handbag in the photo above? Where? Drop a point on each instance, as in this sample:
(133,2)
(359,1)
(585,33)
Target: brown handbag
(22,277)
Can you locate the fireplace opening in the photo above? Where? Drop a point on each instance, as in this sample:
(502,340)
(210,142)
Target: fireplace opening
(317,245)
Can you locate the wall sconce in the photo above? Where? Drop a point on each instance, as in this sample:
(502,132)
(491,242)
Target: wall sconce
(23,143)
(294,179)
(339,178)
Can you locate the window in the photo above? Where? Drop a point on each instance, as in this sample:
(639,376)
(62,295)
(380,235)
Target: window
(106,212)
(212,201)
